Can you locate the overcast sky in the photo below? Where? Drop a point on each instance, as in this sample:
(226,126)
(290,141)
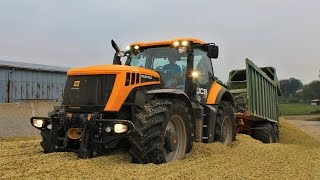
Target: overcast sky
(284,34)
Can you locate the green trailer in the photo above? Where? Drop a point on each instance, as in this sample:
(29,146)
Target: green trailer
(255,91)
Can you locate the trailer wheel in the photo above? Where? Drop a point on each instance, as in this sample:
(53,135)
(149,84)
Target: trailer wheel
(265,133)
(276,132)
(225,130)
(163,132)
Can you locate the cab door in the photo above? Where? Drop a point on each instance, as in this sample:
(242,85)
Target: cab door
(203,76)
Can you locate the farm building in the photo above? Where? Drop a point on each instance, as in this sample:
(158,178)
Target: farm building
(26,81)
(315,102)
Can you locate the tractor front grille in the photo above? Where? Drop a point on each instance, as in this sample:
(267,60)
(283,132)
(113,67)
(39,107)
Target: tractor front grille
(87,93)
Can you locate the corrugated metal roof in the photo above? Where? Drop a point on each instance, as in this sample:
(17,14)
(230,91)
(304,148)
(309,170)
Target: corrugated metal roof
(31,66)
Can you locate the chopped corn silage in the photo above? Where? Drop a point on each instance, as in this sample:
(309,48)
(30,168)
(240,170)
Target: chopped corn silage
(296,157)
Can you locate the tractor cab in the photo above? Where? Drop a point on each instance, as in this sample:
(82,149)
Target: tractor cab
(183,63)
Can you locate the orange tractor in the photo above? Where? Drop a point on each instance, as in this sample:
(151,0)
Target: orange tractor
(162,99)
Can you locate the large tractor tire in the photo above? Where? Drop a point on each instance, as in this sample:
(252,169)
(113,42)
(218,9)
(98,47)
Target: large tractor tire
(266,133)
(225,129)
(163,132)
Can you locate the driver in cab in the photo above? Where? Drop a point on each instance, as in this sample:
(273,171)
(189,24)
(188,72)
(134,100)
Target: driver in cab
(175,72)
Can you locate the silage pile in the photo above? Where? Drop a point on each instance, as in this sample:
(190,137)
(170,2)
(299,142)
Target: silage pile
(296,157)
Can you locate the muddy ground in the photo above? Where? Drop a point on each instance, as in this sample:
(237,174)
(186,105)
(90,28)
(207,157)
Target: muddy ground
(296,157)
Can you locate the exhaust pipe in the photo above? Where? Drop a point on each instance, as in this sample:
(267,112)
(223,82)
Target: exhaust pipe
(74,133)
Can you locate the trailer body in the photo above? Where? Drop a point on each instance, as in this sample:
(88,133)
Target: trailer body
(255,91)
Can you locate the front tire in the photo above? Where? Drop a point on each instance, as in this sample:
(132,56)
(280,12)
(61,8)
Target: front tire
(163,132)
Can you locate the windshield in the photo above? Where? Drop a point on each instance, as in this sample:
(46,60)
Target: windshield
(169,63)
(157,58)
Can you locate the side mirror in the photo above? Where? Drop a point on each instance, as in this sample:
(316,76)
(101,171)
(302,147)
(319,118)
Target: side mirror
(115,46)
(116,59)
(213,51)
(117,55)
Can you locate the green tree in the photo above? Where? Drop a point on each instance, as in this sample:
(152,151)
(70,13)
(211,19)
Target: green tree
(289,87)
(311,91)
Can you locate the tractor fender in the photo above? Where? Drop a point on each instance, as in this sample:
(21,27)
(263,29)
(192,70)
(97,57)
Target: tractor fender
(225,95)
(218,93)
(172,93)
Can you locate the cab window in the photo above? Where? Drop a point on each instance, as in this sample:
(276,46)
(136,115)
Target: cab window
(202,65)
(138,60)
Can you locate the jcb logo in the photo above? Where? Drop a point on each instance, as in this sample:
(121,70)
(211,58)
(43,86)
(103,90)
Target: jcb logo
(76,83)
(202,91)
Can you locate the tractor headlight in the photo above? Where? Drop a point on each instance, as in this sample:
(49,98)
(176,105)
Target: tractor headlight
(195,74)
(121,54)
(40,122)
(128,48)
(176,43)
(120,128)
(37,123)
(136,47)
(184,43)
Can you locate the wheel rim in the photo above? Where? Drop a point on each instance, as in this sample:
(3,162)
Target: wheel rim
(175,132)
(227,130)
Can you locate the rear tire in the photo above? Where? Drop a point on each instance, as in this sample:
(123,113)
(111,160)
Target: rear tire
(265,133)
(225,129)
(276,132)
(163,132)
